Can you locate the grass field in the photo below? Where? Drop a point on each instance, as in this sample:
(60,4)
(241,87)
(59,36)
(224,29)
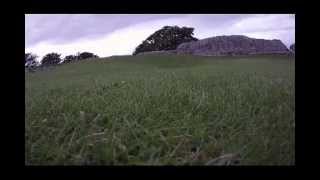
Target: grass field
(162,110)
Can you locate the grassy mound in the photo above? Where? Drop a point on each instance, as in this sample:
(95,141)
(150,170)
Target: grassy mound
(162,110)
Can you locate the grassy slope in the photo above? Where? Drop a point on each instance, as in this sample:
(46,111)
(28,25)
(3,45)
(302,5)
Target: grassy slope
(179,110)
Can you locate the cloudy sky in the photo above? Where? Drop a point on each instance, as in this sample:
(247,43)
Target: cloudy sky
(119,34)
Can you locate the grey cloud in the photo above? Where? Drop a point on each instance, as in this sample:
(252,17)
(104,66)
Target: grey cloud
(64,28)
(270,29)
(215,21)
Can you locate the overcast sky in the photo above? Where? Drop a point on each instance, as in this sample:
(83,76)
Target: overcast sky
(120,34)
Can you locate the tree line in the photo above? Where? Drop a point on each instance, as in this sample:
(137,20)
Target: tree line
(55,58)
(166,38)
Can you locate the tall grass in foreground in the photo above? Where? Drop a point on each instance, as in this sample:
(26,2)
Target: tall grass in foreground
(162,110)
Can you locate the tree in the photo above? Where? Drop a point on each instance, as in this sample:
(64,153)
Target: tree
(70,58)
(30,60)
(167,38)
(86,55)
(292,47)
(51,59)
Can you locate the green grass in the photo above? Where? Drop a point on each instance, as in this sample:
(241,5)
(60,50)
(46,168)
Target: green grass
(162,110)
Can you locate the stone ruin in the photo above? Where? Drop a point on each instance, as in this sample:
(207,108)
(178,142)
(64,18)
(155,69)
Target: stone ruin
(232,45)
(226,46)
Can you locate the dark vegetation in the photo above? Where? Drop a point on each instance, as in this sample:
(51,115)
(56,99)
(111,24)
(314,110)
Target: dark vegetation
(30,60)
(292,47)
(167,38)
(51,59)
